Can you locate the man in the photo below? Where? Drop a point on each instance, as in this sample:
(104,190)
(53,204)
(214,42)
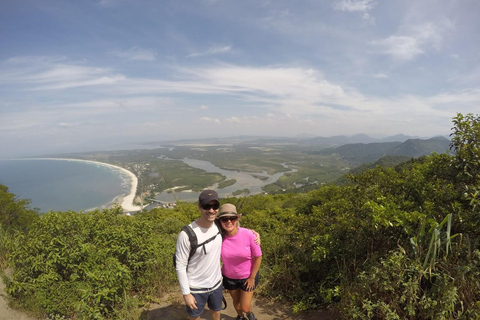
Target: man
(200,276)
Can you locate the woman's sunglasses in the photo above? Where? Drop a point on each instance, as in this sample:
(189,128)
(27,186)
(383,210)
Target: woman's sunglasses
(209,206)
(226,219)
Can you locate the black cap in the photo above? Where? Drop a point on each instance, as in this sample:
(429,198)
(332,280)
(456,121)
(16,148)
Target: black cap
(206,196)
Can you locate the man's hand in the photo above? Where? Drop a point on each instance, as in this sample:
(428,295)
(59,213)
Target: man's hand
(190,301)
(257,239)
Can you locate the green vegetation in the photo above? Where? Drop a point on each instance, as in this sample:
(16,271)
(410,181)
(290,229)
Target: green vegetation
(226,183)
(399,242)
(241,192)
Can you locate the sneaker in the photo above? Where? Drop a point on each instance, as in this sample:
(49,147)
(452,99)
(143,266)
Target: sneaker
(239,318)
(251,316)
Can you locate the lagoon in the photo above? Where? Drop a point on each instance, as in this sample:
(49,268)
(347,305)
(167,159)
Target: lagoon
(245,180)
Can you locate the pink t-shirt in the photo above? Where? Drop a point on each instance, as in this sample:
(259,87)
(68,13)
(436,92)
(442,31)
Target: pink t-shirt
(237,254)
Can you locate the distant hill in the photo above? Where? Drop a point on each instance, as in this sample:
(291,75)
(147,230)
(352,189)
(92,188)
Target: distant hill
(358,153)
(316,143)
(416,147)
(398,137)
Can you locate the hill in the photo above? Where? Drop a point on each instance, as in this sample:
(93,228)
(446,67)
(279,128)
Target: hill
(318,141)
(358,153)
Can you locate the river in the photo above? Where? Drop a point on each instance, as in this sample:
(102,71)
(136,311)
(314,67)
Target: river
(244,180)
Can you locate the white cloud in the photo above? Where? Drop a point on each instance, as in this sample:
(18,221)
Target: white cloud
(399,47)
(363,6)
(413,41)
(51,74)
(234,120)
(212,51)
(211,120)
(136,54)
(353,5)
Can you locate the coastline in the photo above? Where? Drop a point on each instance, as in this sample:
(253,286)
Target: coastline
(126,201)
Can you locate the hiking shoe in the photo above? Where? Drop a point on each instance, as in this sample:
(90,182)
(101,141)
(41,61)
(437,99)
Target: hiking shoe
(250,316)
(239,318)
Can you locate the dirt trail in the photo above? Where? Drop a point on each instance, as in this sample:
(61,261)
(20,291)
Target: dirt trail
(173,309)
(7,313)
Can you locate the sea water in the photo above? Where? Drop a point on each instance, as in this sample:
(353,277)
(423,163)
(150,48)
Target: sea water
(62,185)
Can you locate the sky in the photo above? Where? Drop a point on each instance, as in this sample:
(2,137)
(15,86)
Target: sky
(101,74)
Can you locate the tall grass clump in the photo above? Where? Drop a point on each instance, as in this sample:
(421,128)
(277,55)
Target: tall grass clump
(434,278)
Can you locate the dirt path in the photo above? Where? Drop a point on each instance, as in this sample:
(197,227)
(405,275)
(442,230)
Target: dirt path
(173,309)
(7,313)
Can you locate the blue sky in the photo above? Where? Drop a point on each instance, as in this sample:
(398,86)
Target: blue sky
(93,75)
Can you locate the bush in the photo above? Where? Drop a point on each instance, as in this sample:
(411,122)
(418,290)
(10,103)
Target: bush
(84,264)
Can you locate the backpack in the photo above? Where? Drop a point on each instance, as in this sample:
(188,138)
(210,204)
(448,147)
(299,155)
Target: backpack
(193,248)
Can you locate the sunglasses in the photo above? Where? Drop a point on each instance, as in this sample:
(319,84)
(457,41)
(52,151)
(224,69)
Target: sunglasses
(209,206)
(226,219)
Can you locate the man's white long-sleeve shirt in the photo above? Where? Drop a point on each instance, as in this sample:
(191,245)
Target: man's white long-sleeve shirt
(203,270)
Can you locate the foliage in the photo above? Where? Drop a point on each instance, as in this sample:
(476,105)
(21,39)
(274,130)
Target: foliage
(86,263)
(15,214)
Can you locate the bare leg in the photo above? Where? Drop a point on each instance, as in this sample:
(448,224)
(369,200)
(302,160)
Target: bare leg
(215,314)
(236,300)
(246,301)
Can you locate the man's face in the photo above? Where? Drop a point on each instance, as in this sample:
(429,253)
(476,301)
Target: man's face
(210,210)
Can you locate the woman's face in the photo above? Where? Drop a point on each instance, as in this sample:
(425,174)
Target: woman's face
(229,223)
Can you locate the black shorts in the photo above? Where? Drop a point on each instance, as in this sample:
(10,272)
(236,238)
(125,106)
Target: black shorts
(234,284)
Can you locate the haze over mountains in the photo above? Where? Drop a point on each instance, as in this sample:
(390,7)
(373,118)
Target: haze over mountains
(301,140)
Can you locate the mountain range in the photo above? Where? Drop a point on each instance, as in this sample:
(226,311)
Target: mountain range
(299,140)
(358,153)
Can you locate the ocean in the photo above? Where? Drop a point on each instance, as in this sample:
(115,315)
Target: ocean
(62,185)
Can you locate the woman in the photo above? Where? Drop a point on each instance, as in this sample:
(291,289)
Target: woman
(241,258)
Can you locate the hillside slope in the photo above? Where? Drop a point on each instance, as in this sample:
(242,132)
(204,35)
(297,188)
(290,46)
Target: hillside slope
(358,153)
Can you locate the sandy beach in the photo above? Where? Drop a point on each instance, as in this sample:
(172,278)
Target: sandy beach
(126,201)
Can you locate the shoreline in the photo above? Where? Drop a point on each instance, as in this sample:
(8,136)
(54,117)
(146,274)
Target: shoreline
(126,201)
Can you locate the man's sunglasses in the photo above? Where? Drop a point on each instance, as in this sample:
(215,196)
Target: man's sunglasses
(209,206)
(226,219)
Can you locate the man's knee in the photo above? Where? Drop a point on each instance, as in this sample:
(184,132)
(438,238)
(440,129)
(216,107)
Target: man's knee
(215,314)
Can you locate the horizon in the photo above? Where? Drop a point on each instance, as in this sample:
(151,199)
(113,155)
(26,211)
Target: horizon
(101,74)
(210,141)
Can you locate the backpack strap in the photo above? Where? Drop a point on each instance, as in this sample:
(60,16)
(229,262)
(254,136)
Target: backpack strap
(194,241)
(192,237)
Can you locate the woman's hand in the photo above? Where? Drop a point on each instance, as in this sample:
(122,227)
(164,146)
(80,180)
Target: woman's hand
(250,284)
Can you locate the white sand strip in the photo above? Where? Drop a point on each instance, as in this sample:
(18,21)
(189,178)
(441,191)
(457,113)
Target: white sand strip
(127,203)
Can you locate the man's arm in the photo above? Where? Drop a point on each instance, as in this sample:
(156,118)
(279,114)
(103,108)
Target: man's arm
(257,236)
(182,252)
